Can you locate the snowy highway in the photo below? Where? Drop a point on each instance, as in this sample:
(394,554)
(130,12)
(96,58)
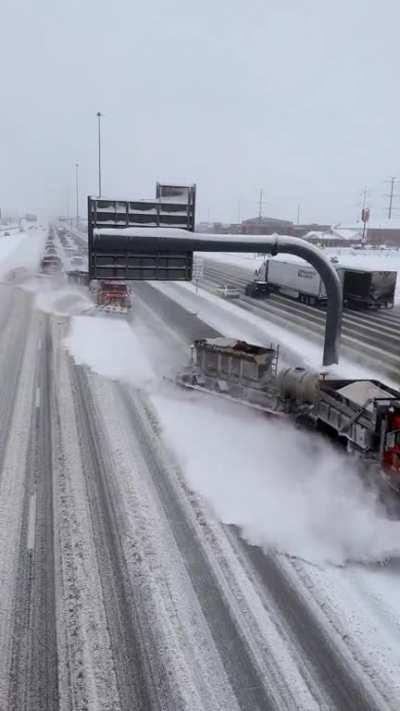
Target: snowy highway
(141,566)
(370,338)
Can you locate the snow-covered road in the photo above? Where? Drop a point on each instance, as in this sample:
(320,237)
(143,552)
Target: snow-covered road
(159,550)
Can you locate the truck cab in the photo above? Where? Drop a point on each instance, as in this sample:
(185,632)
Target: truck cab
(113,296)
(390,454)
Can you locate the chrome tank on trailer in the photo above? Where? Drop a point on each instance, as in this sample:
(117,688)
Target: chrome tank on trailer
(299,385)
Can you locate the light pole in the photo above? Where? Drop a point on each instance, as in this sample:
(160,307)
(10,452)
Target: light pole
(99,115)
(77,193)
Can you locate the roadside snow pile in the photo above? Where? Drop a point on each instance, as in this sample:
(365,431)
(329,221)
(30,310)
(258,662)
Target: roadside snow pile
(288,491)
(20,252)
(110,348)
(248,261)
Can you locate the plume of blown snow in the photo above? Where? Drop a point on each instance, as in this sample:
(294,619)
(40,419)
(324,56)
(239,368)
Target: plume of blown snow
(111,348)
(288,490)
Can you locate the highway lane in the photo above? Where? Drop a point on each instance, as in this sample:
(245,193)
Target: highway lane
(124,620)
(120,590)
(35,680)
(371,338)
(28,670)
(329,673)
(79,630)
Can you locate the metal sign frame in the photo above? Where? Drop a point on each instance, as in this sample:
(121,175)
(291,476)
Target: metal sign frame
(174,206)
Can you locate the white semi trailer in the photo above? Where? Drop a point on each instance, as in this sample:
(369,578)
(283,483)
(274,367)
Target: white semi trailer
(291,276)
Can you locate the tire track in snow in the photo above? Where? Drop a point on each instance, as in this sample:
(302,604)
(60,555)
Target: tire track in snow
(124,625)
(240,666)
(35,660)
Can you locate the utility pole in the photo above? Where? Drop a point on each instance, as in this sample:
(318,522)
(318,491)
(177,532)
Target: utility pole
(77,193)
(391,196)
(99,115)
(364,198)
(260,204)
(298,214)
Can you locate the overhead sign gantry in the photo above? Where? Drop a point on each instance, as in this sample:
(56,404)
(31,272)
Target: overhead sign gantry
(155,240)
(173,207)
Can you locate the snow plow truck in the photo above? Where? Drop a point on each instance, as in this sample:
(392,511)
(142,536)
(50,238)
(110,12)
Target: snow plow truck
(363,414)
(113,297)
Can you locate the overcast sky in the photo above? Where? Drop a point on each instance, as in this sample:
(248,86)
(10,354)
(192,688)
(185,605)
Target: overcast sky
(298,97)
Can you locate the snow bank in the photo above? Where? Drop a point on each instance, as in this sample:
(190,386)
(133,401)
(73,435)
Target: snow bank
(287,490)
(248,261)
(20,253)
(110,348)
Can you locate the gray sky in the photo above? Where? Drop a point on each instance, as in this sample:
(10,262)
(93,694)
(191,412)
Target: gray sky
(299,97)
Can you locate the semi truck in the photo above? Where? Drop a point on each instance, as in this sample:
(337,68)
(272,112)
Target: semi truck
(363,414)
(362,288)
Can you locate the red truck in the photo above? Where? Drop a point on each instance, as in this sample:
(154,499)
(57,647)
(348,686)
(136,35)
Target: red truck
(113,296)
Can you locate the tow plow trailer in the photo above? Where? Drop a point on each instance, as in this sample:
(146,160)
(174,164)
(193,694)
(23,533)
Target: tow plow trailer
(234,370)
(363,414)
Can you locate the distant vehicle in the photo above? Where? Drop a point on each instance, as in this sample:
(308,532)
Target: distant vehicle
(78,277)
(258,289)
(228,292)
(50,264)
(6,234)
(76,261)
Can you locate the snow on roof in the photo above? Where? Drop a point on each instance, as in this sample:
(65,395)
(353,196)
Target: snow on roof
(346,233)
(336,234)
